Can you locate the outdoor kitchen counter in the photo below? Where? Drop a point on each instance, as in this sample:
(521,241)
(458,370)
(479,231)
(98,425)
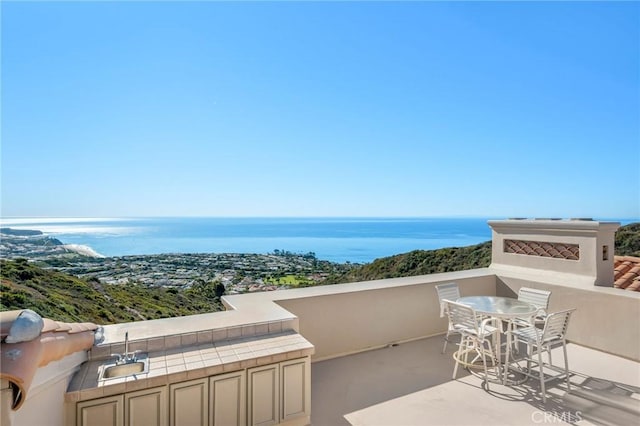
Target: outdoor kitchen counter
(178,364)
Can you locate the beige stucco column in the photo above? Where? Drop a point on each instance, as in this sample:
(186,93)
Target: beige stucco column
(572,246)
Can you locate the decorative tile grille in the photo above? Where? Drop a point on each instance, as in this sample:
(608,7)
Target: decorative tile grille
(543,249)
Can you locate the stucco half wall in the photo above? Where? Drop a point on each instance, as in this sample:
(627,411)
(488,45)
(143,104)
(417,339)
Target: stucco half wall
(348,318)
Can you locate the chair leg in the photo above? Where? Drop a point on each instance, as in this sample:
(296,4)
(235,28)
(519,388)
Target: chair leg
(493,355)
(566,364)
(455,370)
(446,340)
(466,352)
(484,364)
(542,389)
(457,355)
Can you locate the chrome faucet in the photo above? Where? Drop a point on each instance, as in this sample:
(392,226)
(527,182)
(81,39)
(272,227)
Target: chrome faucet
(126,346)
(126,357)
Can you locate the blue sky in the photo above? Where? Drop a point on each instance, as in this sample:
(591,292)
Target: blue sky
(489,109)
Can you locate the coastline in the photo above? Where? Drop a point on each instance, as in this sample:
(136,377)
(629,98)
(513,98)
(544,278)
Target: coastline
(83,250)
(338,240)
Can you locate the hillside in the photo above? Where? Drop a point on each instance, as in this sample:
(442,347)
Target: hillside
(422,262)
(628,240)
(63,297)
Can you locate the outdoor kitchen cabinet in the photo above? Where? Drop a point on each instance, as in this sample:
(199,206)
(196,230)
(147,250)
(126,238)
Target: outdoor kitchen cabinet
(271,394)
(189,403)
(279,393)
(146,407)
(227,399)
(263,395)
(106,411)
(295,389)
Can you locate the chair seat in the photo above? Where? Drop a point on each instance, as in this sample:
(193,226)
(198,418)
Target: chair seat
(483,332)
(524,322)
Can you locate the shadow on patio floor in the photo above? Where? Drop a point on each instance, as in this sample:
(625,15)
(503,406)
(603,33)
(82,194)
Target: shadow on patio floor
(411,384)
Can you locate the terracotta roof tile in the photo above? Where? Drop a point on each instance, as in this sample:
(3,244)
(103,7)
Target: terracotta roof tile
(51,341)
(626,273)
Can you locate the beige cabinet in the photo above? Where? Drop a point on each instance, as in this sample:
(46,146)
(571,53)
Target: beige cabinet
(263,391)
(189,403)
(279,393)
(295,389)
(272,394)
(227,399)
(146,407)
(106,411)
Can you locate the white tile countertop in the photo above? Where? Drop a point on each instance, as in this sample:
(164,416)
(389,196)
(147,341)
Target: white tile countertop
(178,364)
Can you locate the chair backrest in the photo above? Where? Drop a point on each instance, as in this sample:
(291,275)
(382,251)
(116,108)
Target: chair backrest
(448,291)
(539,298)
(461,317)
(556,324)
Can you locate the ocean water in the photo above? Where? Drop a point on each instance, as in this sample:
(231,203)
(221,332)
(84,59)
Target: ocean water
(356,240)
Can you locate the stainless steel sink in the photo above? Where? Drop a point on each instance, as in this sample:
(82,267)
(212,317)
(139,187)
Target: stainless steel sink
(115,370)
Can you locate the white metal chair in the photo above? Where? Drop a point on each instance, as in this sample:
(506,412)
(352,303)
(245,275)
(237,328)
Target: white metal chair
(539,298)
(539,340)
(451,292)
(474,332)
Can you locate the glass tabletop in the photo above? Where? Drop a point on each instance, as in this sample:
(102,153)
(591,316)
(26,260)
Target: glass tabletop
(507,307)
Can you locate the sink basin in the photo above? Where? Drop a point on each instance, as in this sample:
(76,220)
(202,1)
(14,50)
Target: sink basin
(114,371)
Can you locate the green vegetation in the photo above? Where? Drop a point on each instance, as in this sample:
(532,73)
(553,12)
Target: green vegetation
(66,298)
(20,232)
(627,241)
(420,262)
(290,281)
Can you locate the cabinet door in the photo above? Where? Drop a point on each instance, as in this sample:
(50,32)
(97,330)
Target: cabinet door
(188,403)
(227,399)
(146,407)
(263,395)
(101,412)
(295,389)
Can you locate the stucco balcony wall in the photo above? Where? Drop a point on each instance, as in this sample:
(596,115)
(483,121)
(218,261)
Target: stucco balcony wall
(350,318)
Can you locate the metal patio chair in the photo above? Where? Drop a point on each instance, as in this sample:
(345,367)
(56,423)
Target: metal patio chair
(539,298)
(451,292)
(474,332)
(540,340)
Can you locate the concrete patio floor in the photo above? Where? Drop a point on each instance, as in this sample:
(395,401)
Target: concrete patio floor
(411,384)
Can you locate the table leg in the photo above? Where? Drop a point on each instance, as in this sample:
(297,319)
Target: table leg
(508,354)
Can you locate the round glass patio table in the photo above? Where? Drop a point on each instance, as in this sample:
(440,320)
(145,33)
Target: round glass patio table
(499,307)
(505,309)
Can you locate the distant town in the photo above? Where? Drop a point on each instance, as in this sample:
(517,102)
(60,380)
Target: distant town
(239,273)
